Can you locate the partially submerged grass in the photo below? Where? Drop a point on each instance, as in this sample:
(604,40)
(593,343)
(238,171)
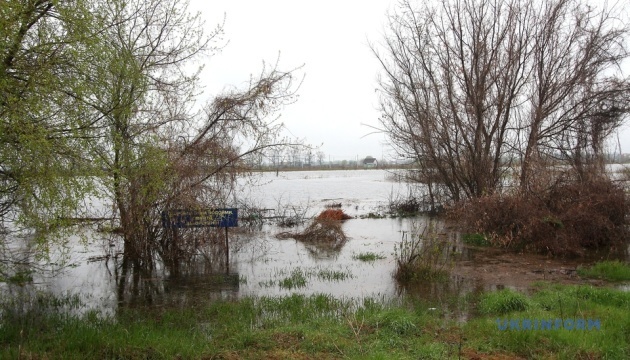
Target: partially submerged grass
(322,326)
(333,275)
(299,277)
(423,254)
(405,207)
(296,326)
(475,239)
(368,256)
(607,270)
(373,215)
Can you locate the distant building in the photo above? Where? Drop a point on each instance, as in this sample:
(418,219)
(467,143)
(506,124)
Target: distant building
(370,162)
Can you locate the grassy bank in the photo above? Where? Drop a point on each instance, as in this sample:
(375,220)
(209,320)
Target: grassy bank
(614,270)
(324,327)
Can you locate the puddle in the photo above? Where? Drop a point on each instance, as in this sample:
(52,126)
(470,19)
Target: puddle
(498,269)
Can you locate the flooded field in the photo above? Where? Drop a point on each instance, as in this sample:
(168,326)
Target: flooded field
(260,264)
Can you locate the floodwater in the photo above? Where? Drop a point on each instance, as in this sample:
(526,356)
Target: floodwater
(259,264)
(262,265)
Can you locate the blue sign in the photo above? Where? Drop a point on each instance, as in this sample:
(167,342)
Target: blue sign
(200,218)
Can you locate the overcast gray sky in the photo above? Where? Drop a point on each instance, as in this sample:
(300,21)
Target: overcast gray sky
(330,38)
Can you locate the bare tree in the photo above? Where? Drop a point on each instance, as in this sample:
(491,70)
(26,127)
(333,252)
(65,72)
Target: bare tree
(308,157)
(576,94)
(452,81)
(321,156)
(295,154)
(471,85)
(276,157)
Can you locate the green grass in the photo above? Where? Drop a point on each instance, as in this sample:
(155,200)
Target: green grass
(551,302)
(323,326)
(475,239)
(333,275)
(368,256)
(296,326)
(607,270)
(296,280)
(503,302)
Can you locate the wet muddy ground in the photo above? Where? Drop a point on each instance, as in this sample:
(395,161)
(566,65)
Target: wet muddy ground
(498,269)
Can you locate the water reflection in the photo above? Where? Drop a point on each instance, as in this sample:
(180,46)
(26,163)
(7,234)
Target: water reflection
(202,276)
(324,250)
(259,263)
(105,279)
(445,295)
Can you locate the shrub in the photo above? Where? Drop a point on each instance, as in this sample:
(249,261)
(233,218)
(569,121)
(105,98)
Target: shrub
(422,255)
(475,239)
(566,219)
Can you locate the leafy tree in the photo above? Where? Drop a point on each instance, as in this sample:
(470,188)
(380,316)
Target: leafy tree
(99,98)
(42,128)
(154,152)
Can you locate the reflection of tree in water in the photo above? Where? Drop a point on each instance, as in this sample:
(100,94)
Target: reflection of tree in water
(195,268)
(446,295)
(323,250)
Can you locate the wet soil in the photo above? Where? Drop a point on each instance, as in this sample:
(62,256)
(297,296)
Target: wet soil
(496,269)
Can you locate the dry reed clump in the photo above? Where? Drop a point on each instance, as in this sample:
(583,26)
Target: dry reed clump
(567,219)
(333,214)
(326,227)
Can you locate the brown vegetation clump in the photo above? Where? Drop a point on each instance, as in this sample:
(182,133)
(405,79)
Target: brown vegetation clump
(320,230)
(567,219)
(333,214)
(326,227)
(323,230)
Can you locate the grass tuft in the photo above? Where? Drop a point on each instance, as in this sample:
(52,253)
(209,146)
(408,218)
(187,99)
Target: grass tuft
(333,275)
(475,239)
(503,302)
(297,279)
(607,270)
(368,256)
